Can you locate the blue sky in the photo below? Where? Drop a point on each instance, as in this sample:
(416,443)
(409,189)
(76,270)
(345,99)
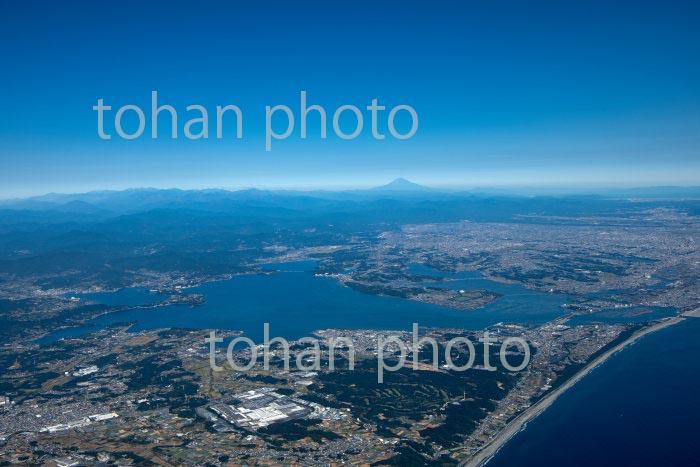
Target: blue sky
(507,93)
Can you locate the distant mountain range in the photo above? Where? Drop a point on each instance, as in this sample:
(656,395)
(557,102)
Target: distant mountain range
(98,204)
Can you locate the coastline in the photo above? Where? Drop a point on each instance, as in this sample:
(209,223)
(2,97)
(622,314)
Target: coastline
(519,422)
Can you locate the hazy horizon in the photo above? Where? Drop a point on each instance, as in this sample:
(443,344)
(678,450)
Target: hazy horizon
(575,95)
(514,189)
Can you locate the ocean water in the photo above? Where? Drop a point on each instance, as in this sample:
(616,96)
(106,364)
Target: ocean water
(295,303)
(640,408)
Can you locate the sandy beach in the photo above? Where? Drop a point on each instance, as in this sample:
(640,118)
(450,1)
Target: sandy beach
(517,424)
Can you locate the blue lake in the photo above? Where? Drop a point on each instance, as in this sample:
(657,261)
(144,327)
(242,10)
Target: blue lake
(65,333)
(517,304)
(133,296)
(639,408)
(297,303)
(623,315)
